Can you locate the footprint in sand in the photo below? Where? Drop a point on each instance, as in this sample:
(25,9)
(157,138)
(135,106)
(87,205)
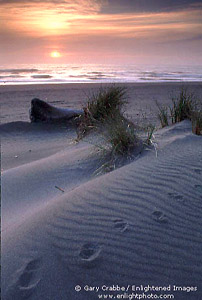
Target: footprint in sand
(28,273)
(160,217)
(198,187)
(120,225)
(198,171)
(176,196)
(26,282)
(89,253)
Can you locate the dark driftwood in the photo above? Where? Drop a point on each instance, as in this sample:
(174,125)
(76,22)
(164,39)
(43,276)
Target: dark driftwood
(43,112)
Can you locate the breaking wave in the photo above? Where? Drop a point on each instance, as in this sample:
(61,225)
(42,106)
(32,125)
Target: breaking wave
(98,73)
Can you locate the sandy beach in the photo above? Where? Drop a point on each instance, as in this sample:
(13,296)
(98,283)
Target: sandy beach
(64,227)
(142,97)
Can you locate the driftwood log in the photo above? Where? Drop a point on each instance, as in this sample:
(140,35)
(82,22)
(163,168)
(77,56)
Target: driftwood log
(41,111)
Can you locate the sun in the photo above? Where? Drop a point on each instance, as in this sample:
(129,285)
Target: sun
(55,54)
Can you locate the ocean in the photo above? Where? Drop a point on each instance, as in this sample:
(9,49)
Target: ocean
(66,73)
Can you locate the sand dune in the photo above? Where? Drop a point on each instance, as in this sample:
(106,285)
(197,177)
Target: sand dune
(138,225)
(43,162)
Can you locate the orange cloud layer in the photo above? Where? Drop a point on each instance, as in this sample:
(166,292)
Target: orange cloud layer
(82,28)
(48,20)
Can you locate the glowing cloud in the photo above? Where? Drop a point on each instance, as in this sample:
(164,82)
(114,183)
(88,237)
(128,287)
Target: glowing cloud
(92,30)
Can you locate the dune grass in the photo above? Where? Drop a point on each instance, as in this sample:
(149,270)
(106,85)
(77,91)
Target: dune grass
(121,142)
(182,106)
(163,115)
(101,106)
(106,102)
(150,134)
(196,118)
(121,136)
(104,112)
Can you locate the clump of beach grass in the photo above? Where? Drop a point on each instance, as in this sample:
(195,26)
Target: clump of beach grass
(182,106)
(101,106)
(104,112)
(163,115)
(196,119)
(122,142)
(121,135)
(150,134)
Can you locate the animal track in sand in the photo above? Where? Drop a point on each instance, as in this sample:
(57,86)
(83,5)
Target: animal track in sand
(26,282)
(120,225)
(176,196)
(198,171)
(90,252)
(198,187)
(160,217)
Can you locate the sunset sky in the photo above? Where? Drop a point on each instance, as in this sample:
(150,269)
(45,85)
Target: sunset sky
(101,31)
